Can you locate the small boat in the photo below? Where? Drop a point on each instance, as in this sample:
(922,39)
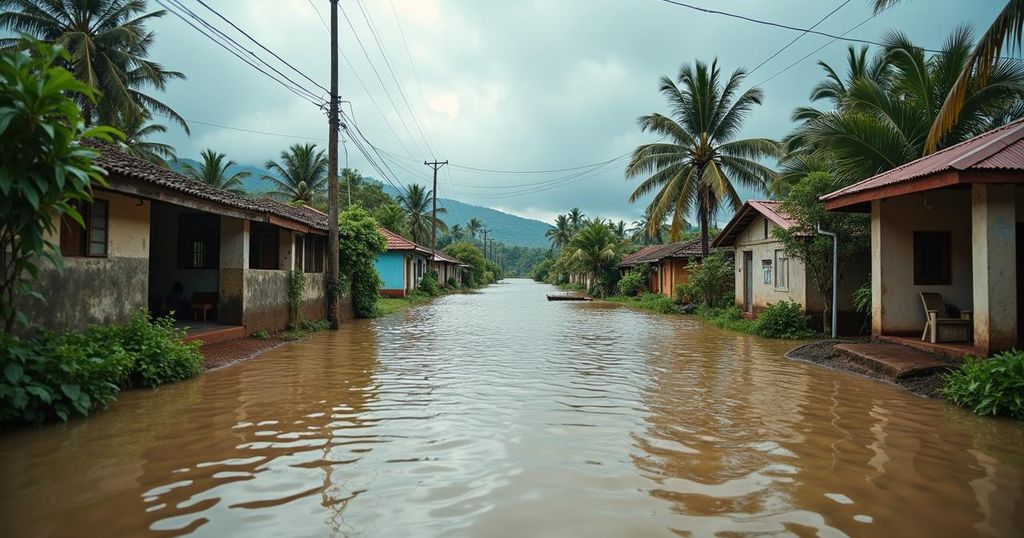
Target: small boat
(569,297)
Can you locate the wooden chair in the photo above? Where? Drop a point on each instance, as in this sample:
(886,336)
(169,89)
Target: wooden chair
(203,302)
(942,328)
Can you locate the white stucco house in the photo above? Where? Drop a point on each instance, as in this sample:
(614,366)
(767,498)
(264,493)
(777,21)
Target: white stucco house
(949,223)
(767,274)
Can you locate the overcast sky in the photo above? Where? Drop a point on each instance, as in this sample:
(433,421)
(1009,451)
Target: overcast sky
(510,85)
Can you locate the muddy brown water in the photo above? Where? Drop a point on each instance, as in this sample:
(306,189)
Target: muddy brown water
(501,414)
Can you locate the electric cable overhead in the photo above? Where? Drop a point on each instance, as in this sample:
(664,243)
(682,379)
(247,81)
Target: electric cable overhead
(368,18)
(237,50)
(797,38)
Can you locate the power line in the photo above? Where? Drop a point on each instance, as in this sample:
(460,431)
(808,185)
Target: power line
(321,17)
(254,131)
(415,72)
(797,38)
(260,45)
(290,85)
(380,79)
(551,171)
(368,18)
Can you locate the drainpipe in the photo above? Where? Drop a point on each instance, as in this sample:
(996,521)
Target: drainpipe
(835,276)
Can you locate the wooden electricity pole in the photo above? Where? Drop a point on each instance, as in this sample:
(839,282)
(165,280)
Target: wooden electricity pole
(484,231)
(332,179)
(436,165)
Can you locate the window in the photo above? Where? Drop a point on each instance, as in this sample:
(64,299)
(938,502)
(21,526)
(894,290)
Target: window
(300,251)
(314,254)
(89,241)
(264,243)
(198,241)
(766,271)
(781,270)
(932,258)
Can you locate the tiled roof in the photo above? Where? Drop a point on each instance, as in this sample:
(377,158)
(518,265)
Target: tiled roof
(442,256)
(115,161)
(653,253)
(770,209)
(397,242)
(998,149)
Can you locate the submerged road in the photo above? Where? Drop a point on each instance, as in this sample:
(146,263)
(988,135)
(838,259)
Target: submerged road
(500,414)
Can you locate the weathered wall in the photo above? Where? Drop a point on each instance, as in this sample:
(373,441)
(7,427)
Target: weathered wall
(314,297)
(98,290)
(234,262)
(266,300)
(896,300)
(671,273)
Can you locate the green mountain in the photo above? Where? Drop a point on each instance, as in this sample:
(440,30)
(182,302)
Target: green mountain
(510,229)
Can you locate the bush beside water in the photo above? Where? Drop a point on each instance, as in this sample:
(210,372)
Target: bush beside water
(992,386)
(61,375)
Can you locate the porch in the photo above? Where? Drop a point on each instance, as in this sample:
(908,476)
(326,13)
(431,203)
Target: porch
(210,333)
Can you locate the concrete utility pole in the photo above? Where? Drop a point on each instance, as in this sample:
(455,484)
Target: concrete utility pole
(332,179)
(436,165)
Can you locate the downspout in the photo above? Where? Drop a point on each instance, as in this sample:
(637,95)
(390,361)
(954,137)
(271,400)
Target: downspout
(835,276)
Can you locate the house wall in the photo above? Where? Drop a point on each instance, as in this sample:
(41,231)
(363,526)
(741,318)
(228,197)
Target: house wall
(671,273)
(753,239)
(97,290)
(314,303)
(896,301)
(266,300)
(391,268)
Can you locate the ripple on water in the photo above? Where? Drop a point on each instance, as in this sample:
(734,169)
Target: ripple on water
(500,414)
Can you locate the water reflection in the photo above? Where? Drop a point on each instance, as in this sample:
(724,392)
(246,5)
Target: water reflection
(498,414)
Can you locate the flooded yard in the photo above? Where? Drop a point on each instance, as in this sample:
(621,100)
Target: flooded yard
(500,414)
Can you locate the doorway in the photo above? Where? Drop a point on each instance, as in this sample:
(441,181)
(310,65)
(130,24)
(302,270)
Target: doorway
(748,281)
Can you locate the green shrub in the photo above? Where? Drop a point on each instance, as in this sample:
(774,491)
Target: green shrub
(656,303)
(314,325)
(430,285)
(57,376)
(160,354)
(784,319)
(711,283)
(992,386)
(633,283)
(452,283)
(361,241)
(726,318)
(260,335)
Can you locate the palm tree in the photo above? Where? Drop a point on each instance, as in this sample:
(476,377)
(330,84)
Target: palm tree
(595,250)
(695,167)
(618,228)
(415,202)
(474,227)
(457,233)
(108,43)
(646,233)
(575,218)
(880,122)
(392,217)
(561,233)
(983,60)
(301,178)
(136,130)
(214,171)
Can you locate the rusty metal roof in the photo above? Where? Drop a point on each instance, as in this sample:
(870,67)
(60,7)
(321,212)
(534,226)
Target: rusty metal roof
(998,149)
(654,253)
(770,209)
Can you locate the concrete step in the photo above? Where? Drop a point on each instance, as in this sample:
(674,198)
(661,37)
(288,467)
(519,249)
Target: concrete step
(217,334)
(891,361)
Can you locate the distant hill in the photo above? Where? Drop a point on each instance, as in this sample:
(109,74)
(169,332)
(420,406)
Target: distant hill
(509,229)
(504,227)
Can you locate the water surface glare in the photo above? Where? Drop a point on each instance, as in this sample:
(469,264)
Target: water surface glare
(500,414)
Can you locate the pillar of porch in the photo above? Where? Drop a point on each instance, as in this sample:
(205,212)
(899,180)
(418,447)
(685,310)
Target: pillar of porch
(234,262)
(994,259)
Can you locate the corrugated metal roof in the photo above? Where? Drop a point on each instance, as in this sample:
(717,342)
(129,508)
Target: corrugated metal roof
(998,149)
(770,209)
(654,253)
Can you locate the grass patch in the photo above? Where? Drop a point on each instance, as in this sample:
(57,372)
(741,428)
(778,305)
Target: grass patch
(389,305)
(726,318)
(303,330)
(651,302)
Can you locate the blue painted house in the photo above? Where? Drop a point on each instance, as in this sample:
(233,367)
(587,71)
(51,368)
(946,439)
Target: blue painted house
(402,266)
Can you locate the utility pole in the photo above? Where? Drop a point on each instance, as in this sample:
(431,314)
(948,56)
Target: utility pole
(436,165)
(333,258)
(484,231)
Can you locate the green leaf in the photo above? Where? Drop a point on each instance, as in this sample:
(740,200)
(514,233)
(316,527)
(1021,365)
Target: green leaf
(40,392)
(14,373)
(70,390)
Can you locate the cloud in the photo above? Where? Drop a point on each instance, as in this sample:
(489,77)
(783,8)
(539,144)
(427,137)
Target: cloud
(526,85)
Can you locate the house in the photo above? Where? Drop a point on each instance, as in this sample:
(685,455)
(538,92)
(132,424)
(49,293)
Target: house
(766,274)
(447,267)
(949,223)
(157,240)
(401,266)
(669,264)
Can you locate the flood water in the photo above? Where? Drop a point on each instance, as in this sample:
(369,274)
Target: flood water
(500,414)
